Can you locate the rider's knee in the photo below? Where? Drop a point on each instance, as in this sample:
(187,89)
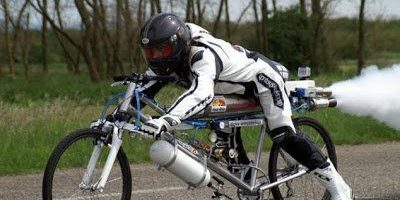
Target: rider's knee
(281,134)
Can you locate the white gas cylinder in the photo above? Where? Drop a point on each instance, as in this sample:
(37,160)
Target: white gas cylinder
(179,163)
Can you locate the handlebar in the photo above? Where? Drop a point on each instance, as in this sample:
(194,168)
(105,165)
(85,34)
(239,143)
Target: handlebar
(143,78)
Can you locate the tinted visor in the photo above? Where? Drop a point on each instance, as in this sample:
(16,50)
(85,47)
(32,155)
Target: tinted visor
(163,51)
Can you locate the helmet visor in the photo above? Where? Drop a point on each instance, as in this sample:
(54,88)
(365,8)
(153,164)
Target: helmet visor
(163,51)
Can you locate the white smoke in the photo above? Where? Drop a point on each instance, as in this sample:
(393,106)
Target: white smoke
(374,93)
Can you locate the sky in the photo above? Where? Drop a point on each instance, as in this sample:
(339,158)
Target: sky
(385,9)
(348,8)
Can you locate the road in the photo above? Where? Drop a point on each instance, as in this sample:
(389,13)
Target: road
(373,171)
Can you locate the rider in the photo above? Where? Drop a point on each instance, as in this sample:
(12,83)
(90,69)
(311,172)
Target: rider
(209,65)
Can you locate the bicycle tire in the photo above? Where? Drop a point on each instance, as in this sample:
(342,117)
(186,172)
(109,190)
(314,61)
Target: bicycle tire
(328,148)
(60,155)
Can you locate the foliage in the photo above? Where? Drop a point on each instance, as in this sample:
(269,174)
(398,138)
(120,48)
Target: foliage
(289,38)
(59,85)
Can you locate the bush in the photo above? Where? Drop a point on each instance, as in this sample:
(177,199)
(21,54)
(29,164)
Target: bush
(289,38)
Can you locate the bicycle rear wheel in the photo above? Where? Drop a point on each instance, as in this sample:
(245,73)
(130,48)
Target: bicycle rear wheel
(305,187)
(67,165)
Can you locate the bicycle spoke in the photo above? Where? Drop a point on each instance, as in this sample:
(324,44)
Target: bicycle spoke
(304,187)
(71,157)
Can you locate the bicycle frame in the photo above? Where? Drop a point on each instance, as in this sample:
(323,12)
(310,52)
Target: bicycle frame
(134,93)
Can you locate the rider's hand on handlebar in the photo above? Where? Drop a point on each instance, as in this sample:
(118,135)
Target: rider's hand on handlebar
(155,127)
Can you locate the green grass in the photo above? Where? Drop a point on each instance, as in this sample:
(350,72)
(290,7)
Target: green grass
(36,114)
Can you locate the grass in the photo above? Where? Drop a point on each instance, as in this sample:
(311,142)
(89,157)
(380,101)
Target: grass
(37,113)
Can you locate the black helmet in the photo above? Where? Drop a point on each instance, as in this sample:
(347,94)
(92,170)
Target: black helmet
(165,39)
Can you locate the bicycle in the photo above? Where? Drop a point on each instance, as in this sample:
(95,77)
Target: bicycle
(102,168)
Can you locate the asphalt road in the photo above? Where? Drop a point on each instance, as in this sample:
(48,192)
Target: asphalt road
(373,171)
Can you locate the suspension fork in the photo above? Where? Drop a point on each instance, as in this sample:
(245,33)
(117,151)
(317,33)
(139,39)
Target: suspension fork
(112,155)
(115,146)
(92,164)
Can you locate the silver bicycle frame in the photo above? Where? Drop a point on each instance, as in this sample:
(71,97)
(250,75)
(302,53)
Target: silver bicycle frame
(248,187)
(117,142)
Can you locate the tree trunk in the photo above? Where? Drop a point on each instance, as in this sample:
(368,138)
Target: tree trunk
(361,38)
(141,12)
(10,52)
(171,4)
(241,16)
(89,42)
(130,34)
(264,19)
(227,21)
(44,39)
(17,30)
(72,65)
(216,22)
(320,52)
(157,6)
(274,6)
(257,22)
(25,47)
(106,47)
(316,19)
(117,46)
(303,9)
(189,11)
(200,12)
(60,33)
(96,40)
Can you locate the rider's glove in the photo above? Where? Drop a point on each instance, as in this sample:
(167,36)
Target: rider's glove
(155,127)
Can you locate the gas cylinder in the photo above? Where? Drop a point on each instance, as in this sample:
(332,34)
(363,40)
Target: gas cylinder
(231,104)
(179,163)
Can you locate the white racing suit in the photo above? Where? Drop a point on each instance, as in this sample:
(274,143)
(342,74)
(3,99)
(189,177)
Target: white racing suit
(217,67)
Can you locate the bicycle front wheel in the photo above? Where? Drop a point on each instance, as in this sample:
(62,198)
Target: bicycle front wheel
(67,165)
(280,163)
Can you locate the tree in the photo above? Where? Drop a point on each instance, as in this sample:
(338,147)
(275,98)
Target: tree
(241,16)
(10,53)
(320,53)
(257,23)
(217,19)
(90,49)
(200,12)
(71,63)
(361,38)
(44,39)
(26,46)
(130,34)
(274,9)
(264,19)
(227,21)
(288,45)
(190,11)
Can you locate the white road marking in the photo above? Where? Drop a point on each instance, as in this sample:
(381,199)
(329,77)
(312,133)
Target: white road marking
(166,189)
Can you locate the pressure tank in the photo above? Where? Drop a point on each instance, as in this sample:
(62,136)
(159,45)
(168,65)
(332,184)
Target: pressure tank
(179,163)
(230,104)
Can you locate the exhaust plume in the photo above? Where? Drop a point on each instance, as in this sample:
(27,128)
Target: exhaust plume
(374,93)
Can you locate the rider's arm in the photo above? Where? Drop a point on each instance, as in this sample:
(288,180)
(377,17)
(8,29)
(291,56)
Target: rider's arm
(204,69)
(151,88)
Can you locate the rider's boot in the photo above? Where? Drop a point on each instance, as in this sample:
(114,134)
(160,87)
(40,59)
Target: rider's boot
(333,182)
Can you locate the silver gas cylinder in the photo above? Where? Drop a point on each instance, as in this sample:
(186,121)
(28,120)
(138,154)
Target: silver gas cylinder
(179,163)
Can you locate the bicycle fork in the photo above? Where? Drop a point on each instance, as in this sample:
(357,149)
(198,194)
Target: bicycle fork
(112,155)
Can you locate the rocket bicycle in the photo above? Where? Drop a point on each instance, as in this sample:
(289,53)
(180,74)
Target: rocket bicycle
(91,163)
